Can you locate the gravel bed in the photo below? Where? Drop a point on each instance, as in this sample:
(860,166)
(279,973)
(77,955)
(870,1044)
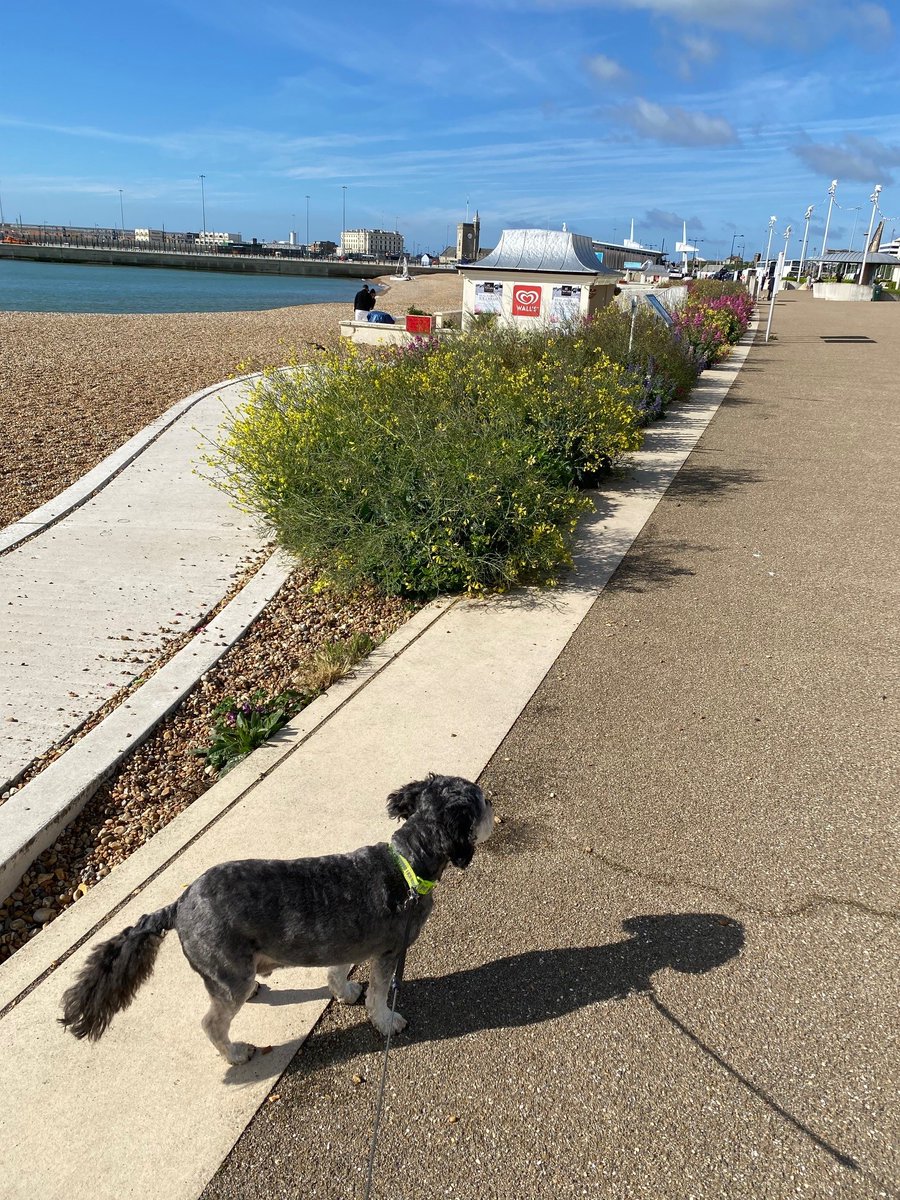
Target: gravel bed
(73,388)
(163,776)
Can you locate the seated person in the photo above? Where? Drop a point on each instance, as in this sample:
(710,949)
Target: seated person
(363,303)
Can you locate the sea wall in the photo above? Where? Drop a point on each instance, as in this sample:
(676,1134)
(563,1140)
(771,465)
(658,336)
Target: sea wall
(241,263)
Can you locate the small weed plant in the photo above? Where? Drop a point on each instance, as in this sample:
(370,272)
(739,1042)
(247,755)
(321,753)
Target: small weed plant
(332,662)
(239,726)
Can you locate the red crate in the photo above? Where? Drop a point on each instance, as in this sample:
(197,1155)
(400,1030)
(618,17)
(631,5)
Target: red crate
(418,324)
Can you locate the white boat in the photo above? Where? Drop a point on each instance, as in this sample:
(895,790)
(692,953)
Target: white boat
(403,271)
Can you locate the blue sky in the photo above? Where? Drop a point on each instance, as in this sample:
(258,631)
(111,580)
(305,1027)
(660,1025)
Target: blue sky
(535,112)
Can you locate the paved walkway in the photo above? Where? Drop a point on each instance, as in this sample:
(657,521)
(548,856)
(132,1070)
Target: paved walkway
(669,973)
(90,603)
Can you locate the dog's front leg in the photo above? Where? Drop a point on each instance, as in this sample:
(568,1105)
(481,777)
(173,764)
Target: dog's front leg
(341,987)
(381,971)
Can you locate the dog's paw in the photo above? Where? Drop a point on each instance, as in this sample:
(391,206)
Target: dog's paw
(399,1023)
(350,992)
(388,1023)
(240,1052)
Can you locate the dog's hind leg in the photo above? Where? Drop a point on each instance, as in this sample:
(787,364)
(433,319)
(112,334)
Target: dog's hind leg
(381,971)
(341,987)
(222,1011)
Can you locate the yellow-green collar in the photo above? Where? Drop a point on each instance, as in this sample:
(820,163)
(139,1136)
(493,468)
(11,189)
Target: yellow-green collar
(420,886)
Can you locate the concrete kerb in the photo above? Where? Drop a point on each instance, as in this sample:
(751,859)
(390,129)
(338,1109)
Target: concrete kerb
(108,896)
(42,518)
(35,815)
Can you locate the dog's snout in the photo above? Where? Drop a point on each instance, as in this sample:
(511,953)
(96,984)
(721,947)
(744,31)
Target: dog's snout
(485,826)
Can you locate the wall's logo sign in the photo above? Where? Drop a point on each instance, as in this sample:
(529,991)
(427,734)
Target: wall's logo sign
(526,301)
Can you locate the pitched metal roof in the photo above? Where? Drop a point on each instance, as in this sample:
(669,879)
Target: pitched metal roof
(855,256)
(537,250)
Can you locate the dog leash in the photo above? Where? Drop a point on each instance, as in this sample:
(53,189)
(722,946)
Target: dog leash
(396,980)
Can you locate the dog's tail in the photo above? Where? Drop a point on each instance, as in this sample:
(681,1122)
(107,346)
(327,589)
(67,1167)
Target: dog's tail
(113,973)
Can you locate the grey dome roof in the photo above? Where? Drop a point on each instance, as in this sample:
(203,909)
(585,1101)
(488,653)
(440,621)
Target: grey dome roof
(551,250)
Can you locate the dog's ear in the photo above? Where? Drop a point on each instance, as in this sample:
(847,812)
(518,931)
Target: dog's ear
(402,803)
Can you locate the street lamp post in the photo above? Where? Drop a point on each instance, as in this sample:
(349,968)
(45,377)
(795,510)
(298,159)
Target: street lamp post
(203,207)
(776,282)
(772,223)
(734,238)
(874,199)
(307,224)
(831,192)
(806,217)
(855,221)
(122,210)
(343,215)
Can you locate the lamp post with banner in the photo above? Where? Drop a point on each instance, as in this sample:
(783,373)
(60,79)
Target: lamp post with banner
(874,200)
(831,192)
(772,223)
(776,283)
(806,217)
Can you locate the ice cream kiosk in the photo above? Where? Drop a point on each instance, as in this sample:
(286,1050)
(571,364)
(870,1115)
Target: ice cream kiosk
(537,277)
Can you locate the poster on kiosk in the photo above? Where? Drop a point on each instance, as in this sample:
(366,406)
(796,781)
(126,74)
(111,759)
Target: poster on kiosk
(526,300)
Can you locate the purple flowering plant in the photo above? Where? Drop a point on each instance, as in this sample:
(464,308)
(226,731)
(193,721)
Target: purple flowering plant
(239,726)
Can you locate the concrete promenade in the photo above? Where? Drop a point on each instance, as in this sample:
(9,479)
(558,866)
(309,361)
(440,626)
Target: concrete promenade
(669,974)
(718,737)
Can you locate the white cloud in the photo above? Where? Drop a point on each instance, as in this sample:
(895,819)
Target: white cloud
(674,125)
(807,21)
(699,49)
(863,158)
(606,70)
(660,218)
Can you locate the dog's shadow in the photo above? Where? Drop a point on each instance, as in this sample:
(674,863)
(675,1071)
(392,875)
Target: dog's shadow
(525,989)
(541,985)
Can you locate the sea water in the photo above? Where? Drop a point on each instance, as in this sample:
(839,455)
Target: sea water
(76,287)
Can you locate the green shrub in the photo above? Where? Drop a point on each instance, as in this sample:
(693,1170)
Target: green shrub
(405,473)
(655,351)
(713,289)
(574,404)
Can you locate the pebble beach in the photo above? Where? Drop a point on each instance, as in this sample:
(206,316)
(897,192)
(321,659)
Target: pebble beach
(74,388)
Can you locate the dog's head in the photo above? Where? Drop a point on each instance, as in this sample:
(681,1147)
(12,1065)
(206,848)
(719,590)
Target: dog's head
(449,813)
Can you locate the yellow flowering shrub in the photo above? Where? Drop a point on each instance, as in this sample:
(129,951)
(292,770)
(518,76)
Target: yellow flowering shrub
(451,468)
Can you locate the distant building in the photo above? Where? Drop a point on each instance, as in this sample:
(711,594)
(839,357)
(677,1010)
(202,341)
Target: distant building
(621,257)
(468,234)
(377,243)
(146,237)
(219,239)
